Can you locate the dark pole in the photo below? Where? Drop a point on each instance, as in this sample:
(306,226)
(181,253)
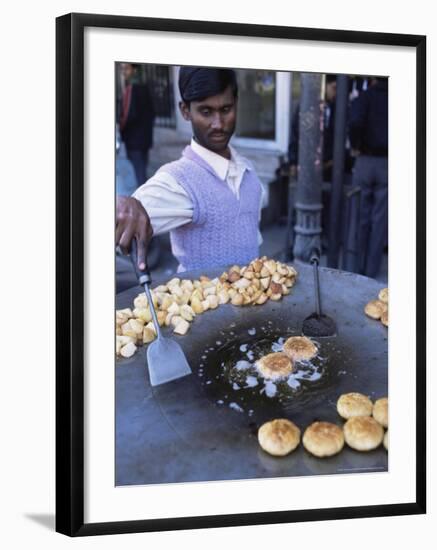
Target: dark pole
(338,170)
(309,179)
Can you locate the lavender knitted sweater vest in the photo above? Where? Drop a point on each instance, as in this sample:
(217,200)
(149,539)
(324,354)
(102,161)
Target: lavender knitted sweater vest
(224,229)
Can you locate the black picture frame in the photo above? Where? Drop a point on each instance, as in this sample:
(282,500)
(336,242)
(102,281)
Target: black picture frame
(70,272)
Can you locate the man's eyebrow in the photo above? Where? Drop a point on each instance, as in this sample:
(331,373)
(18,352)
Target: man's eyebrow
(208,106)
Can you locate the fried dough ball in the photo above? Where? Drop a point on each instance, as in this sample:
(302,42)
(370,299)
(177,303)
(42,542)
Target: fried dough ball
(300,348)
(385,440)
(380,411)
(375,308)
(279,437)
(383,295)
(384,318)
(275,365)
(354,404)
(323,439)
(363,433)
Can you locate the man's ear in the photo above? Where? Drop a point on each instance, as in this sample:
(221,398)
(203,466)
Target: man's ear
(185,110)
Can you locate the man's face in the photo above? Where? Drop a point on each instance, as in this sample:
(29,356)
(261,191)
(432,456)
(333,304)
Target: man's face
(213,120)
(127,71)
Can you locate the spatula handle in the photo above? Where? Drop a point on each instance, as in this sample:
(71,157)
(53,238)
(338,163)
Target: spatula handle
(315,256)
(152,310)
(143,276)
(145,279)
(315,259)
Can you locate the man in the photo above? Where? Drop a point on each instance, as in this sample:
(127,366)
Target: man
(136,120)
(210,198)
(368,131)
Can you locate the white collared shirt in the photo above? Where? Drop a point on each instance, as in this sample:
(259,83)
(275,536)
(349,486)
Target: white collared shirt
(168,204)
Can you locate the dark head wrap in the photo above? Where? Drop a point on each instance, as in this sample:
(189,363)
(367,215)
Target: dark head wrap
(196,83)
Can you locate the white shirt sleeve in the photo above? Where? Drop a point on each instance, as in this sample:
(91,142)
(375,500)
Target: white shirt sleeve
(261,202)
(166,202)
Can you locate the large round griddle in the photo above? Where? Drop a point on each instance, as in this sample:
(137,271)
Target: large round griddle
(187,430)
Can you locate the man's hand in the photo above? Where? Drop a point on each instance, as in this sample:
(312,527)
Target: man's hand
(132,222)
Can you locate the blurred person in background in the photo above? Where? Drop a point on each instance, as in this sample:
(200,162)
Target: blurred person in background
(136,117)
(368,134)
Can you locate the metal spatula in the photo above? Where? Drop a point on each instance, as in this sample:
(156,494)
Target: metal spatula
(165,358)
(317,324)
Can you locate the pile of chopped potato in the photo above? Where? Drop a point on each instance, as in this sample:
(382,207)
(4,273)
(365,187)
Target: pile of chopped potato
(179,301)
